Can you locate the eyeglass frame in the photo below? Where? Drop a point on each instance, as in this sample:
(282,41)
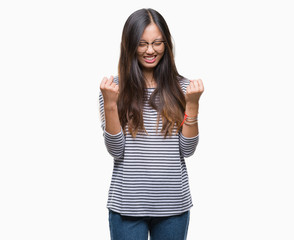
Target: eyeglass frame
(147,46)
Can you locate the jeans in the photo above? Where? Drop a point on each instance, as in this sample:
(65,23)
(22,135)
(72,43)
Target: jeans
(137,228)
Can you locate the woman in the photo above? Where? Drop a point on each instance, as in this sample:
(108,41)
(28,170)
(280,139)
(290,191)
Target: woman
(149,118)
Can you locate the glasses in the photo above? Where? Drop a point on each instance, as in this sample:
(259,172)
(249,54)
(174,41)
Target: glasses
(156,45)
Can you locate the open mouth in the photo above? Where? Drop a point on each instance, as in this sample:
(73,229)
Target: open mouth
(150,59)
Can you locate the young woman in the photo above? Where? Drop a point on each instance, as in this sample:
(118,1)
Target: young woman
(149,118)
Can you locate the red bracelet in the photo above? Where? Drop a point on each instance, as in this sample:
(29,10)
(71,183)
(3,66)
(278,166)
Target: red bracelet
(184,119)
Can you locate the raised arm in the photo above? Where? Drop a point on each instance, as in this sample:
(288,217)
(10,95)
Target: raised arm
(193,93)
(109,90)
(189,136)
(113,136)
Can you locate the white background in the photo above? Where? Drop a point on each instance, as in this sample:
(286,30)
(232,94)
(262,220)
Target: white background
(55,171)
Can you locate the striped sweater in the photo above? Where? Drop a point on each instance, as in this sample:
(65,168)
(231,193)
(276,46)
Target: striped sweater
(149,174)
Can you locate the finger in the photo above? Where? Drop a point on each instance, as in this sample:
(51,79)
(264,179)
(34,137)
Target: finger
(113,84)
(191,85)
(116,89)
(195,85)
(201,86)
(102,84)
(109,81)
(188,90)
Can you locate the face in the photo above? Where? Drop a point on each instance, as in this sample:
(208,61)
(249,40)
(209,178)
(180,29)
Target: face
(150,54)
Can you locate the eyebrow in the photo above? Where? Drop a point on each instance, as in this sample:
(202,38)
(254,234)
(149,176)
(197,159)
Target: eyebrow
(157,39)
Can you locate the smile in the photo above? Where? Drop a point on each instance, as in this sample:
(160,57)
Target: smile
(151,59)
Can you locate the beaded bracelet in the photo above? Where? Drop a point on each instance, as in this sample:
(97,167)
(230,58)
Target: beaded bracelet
(189,120)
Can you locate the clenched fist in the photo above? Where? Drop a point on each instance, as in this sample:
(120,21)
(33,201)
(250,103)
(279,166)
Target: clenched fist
(109,91)
(194,91)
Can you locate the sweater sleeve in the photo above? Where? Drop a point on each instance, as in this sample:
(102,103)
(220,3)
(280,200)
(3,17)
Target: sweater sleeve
(187,145)
(115,144)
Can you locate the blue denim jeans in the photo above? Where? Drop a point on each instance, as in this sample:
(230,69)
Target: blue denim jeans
(137,228)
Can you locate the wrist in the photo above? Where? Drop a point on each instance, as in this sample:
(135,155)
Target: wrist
(192,109)
(110,107)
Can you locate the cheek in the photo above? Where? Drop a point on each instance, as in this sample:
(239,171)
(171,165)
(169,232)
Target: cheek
(140,59)
(139,56)
(160,56)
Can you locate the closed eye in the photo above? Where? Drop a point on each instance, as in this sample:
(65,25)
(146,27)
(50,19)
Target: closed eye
(143,44)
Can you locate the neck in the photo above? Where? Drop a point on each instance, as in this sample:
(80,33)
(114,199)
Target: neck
(150,82)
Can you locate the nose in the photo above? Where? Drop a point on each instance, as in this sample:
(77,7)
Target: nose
(150,49)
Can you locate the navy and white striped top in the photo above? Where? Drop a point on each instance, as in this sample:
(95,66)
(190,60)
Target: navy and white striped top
(149,175)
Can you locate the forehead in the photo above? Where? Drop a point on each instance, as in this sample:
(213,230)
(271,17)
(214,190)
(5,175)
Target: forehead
(151,33)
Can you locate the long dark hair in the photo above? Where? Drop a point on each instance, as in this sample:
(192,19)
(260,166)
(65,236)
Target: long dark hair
(170,102)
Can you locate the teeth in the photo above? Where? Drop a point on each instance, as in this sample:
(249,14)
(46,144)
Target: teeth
(149,58)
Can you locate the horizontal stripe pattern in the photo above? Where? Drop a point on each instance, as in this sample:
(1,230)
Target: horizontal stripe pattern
(149,174)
